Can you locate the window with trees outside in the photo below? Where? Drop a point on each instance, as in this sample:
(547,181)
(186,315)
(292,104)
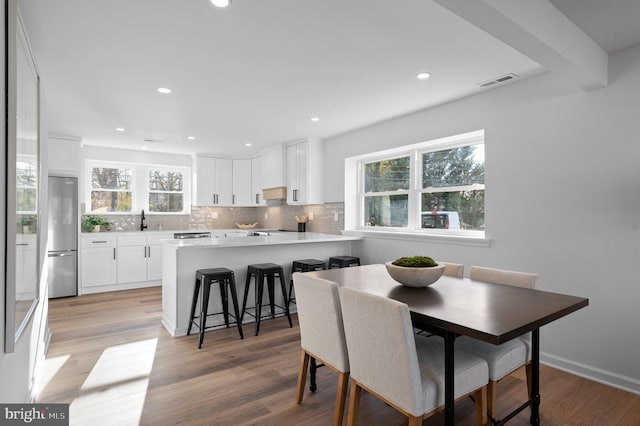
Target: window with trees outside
(432,187)
(126,188)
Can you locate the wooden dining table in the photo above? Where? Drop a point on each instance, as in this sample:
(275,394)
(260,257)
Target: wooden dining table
(452,307)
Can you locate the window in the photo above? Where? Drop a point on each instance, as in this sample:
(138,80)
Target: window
(127,188)
(432,187)
(26,185)
(111,190)
(166,191)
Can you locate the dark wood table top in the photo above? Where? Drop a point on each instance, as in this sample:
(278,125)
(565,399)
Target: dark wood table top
(490,312)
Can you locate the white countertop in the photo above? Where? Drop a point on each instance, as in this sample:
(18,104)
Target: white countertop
(262,240)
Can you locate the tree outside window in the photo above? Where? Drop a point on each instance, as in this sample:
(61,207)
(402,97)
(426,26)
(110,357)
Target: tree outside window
(453,181)
(385,204)
(111,190)
(166,192)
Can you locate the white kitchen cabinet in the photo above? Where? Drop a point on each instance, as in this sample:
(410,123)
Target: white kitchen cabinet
(242,182)
(213,181)
(121,261)
(154,256)
(132,259)
(99,263)
(64,157)
(257,182)
(304,172)
(272,165)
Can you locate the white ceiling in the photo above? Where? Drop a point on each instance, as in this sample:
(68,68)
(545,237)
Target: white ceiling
(259,70)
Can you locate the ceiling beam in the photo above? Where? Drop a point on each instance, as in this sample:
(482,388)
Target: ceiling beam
(541,32)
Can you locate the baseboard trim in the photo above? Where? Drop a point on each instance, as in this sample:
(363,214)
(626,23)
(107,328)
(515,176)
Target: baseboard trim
(609,378)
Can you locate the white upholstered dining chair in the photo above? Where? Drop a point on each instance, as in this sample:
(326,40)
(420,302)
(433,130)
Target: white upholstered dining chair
(404,370)
(321,334)
(453,269)
(508,357)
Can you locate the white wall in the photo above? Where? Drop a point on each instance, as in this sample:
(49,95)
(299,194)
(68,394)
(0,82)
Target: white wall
(562,200)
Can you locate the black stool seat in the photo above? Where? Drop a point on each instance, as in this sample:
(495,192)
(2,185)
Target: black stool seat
(304,265)
(205,278)
(261,271)
(343,261)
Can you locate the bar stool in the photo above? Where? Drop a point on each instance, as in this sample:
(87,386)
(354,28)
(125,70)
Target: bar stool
(205,278)
(261,271)
(343,261)
(304,265)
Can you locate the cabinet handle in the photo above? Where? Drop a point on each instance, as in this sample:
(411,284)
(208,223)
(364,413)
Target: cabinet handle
(99,242)
(114,253)
(233,198)
(295,195)
(257,198)
(149,248)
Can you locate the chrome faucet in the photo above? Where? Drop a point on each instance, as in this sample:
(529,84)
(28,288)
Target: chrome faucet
(142,225)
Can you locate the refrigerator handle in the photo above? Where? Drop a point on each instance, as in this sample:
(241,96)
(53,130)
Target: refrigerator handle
(114,253)
(59,254)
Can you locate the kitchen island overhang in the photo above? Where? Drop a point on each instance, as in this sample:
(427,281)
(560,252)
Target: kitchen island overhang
(181,259)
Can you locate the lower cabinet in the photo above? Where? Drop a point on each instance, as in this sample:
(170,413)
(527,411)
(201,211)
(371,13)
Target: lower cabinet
(125,261)
(99,264)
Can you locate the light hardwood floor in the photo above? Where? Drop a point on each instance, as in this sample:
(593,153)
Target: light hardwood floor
(112,360)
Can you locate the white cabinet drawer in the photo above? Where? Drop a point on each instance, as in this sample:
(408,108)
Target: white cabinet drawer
(98,240)
(132,240)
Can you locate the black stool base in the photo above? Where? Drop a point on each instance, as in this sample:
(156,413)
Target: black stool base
(261,271)
(205,278)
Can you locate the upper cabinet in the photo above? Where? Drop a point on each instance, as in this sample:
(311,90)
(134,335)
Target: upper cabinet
(213,181)
(257,182)
(242,193)
(63,157)
(272,167)
(304,172)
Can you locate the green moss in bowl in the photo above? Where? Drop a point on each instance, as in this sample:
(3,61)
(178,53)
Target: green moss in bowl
(415,262)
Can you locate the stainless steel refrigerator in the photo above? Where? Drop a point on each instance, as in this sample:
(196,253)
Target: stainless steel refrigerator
(63,236)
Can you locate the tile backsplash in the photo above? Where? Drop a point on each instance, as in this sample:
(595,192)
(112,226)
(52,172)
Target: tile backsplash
(327,218)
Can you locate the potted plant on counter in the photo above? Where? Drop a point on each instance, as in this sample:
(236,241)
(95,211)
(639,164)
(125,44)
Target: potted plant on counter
(27,224)
(94,224)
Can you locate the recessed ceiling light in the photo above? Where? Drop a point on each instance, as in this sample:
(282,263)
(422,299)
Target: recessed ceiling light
(119,129)
(144,148)
(164,90)
(191,138)
(423,76)
(221,3)
(314,119)
(247,144)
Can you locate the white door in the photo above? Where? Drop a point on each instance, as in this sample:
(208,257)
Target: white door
(132,264)
(99,266)
(242,182)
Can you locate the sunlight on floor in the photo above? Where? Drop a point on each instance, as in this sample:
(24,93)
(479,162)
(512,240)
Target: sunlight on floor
(48,371)
(115,390)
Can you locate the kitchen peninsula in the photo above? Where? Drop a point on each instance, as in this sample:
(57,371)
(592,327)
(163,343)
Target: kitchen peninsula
(181,258)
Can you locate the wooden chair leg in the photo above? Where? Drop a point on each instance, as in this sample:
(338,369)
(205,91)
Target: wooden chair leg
(415,421)
(302,376)
(492,391)
(341,398)
(480,397)
(354,404)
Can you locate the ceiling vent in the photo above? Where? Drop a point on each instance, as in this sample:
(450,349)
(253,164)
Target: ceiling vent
(498,80)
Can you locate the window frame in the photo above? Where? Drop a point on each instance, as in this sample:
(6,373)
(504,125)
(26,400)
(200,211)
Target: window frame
(415,152)
(139,186)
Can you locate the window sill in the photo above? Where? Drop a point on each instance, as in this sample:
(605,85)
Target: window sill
(431,238)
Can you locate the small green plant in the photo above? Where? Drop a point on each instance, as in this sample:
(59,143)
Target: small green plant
(90,222)
(28,221)
(415,262)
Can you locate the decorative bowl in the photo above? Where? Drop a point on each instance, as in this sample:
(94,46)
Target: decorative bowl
(246,225)
(415,277)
